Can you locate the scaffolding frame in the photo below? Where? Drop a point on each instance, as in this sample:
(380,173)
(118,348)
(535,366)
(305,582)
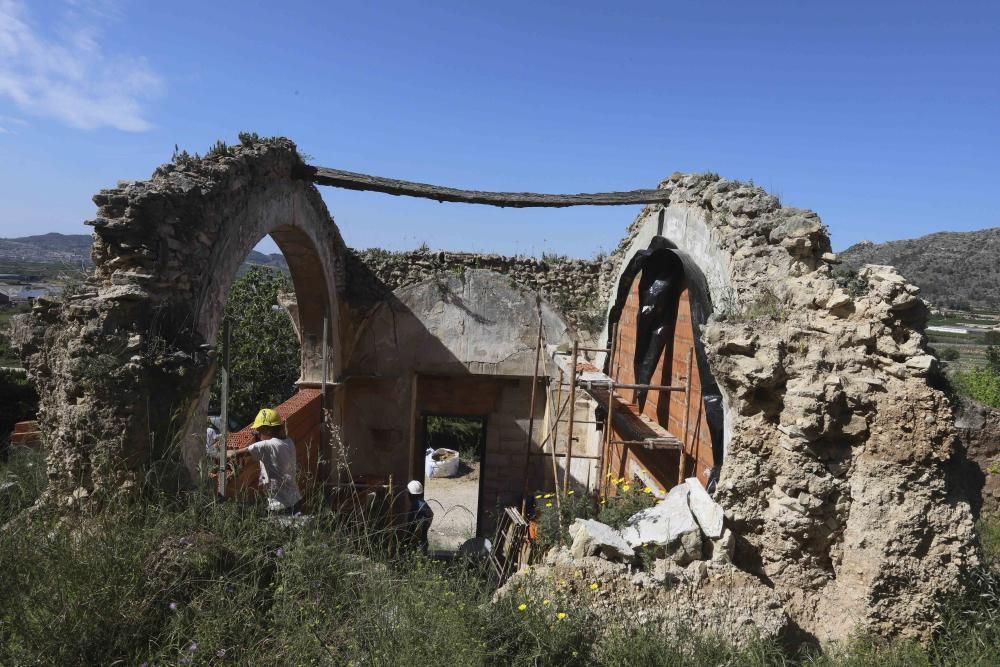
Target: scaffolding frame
(608,439)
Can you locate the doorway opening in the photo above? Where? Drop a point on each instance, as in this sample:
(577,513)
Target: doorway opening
(454,448)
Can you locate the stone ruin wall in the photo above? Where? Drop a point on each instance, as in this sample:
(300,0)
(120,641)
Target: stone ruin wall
(578,287)
(837,476)
(124,365)
(840,455)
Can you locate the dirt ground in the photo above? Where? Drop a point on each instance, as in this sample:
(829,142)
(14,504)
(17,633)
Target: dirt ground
(454,501)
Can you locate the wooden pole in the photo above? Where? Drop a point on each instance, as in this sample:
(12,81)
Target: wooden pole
(555,433)
(682,466)
(349,180)
(531,414)
(605,455)
(324,441)
(224,409)
(572,418)
(326,323)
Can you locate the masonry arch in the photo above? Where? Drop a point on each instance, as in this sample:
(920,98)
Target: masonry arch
(142,331)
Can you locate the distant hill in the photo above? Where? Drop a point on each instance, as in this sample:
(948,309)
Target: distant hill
(47,248)
(953,269)
(28,253)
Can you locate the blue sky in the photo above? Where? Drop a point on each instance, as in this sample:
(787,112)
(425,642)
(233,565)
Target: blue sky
(881,116)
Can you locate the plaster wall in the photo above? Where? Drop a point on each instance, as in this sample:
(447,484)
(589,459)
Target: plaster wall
(459,344)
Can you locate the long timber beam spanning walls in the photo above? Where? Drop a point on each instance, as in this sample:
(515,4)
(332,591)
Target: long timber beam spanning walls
(353,181)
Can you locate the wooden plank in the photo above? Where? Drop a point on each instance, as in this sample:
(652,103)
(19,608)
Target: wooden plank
(350,180)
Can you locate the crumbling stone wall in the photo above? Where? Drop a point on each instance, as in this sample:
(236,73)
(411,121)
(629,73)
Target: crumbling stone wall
(574,285)
(124,364)
(838,448)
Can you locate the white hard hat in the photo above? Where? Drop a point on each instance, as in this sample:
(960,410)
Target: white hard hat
(415,487)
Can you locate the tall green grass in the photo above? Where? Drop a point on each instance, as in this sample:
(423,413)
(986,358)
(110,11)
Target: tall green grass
(189,581)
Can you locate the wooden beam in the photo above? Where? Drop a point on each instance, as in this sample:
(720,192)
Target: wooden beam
(354,181)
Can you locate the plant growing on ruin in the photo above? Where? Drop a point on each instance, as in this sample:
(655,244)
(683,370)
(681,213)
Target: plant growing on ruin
(849,281)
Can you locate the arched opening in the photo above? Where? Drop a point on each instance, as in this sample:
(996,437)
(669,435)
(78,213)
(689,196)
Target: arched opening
(310,315)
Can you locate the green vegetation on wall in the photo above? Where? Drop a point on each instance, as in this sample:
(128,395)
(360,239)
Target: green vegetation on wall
(264,351)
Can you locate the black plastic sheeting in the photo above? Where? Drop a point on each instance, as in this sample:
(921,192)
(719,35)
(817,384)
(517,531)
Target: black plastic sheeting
(663,272)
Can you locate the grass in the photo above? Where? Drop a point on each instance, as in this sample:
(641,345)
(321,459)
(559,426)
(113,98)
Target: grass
(189,581)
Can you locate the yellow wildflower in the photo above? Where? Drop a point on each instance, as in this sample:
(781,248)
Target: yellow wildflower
(538,495)
(593,586)
(569,493)
(546,601)
(548,495)
(626,488)
(522,607)
(647,490)
(561,615)
(548,504)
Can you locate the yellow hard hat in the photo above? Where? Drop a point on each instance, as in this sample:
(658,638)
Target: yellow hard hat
(267,417)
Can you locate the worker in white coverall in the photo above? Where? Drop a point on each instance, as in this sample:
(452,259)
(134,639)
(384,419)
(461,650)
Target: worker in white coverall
(275,452)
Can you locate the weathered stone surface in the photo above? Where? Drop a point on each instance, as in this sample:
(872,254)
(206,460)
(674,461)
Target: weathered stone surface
(679,602)
(840,493)
(669,527)
(593,538)
(575,285)
(124,365)
(706,511)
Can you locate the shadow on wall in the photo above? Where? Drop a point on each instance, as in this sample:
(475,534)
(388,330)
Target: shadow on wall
(661,304)
(461,344)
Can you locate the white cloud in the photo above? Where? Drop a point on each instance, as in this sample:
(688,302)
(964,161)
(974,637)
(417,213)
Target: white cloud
(68,75)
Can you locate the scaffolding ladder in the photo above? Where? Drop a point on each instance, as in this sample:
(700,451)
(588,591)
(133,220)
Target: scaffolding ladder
(638,430)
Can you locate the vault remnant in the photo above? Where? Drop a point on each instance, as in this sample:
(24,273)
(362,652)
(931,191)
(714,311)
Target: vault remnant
(833,446)
(836,447)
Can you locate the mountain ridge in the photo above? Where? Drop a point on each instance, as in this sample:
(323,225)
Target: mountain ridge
(959,270)
(56,248)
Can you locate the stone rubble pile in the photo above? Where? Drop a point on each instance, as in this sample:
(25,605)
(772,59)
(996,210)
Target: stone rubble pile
(685,527)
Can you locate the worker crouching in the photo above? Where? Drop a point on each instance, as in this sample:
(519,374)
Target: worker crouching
(275,452)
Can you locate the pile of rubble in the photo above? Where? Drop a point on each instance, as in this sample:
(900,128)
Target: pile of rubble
(669,567)
(684,527)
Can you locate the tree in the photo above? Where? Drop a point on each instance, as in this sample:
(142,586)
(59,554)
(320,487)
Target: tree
(949,354)
(264,351)
(993,358)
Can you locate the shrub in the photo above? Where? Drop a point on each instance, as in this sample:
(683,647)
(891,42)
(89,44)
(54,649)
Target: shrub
(982,385)
(949,354)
